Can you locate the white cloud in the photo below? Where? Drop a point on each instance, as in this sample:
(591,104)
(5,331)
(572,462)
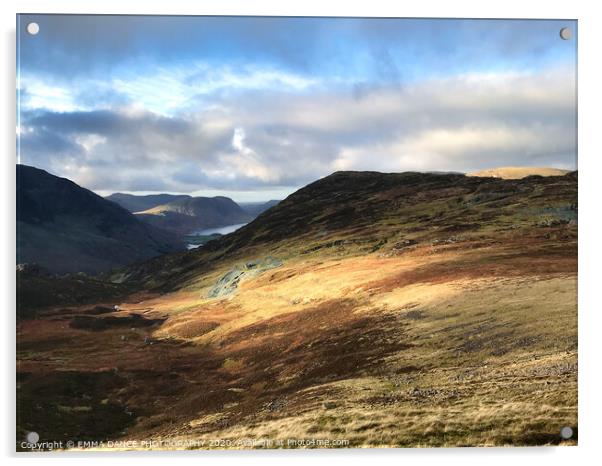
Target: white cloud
(246,161)
(238,139)
(89,141)
(161,90)
(459,149)
(168,90)
(260,137)
(38,94)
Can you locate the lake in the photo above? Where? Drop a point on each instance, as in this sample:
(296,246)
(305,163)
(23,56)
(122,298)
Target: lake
(221,230)
(200,237)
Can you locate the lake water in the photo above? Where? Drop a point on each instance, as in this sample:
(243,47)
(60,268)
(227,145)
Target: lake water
(221,230)
(212,231)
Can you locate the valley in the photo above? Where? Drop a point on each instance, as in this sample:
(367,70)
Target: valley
(188,216)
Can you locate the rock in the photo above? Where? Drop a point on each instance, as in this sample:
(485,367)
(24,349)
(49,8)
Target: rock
(228,283)
(275,405)
(404,244)
(415,315)
(329,405)
(32,270)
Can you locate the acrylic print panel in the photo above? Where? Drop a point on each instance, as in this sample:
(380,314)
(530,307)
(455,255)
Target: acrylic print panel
(269,232)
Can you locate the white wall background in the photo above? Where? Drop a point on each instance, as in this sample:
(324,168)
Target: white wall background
(590,173)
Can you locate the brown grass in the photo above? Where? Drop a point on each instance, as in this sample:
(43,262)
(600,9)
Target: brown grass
(443,347)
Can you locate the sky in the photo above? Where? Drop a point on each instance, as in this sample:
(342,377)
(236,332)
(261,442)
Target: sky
(256,107)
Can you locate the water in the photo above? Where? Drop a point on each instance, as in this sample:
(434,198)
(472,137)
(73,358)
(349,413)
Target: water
(205,232)
(221,230)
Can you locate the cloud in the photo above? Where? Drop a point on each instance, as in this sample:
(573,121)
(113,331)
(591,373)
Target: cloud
(247,160)
(163,91)
(242,104)
(267,139)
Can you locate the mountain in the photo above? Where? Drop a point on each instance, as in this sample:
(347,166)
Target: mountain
(360,303)
(256,208)
(184,216)
(515,173)
(135,203)
(66,228)
(349,211)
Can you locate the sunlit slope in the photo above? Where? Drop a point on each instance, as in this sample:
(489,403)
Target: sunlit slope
(515,173)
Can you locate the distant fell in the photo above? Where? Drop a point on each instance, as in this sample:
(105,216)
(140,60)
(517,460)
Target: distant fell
(184,216)
(256,208)
(136,203)
(517,173)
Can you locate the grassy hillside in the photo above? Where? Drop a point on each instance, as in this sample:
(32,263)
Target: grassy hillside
(368,309)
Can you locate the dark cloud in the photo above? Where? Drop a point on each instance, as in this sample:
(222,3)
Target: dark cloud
(105,122)
(42,141)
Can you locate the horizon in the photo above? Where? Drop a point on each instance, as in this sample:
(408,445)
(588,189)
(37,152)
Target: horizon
(256,194)
(254,108)
(255,197)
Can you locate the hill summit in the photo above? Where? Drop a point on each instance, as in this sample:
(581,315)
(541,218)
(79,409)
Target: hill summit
(516,173)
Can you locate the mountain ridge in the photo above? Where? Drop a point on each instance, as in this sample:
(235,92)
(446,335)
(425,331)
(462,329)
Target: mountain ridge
(514,173)
(67,228)
(137,203)
(184,216)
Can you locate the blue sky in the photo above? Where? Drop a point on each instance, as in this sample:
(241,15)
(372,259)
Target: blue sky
(255,108)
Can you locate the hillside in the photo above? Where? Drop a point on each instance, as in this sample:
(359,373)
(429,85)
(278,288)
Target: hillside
(515,173)
(136,203)
(184,216)
(357,212)
(403,309)
(66,228)
(256,208)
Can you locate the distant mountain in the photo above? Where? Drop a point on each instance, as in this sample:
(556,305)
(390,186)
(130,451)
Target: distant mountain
(256,208)
(135,203)
(66,228)
(517,173)
(183,216)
